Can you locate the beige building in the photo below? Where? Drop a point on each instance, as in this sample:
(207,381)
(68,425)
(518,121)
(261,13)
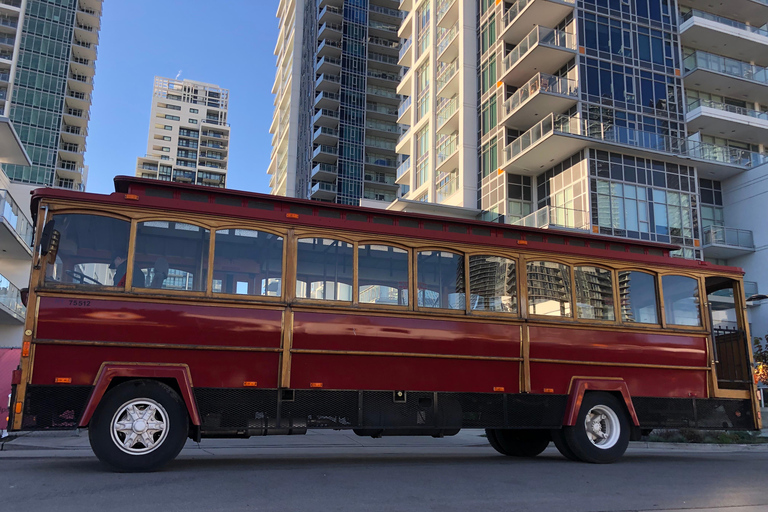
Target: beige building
(188,133)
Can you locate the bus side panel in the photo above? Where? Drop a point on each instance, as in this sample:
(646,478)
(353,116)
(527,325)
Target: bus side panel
(348,337)
(98,320)
(621,348)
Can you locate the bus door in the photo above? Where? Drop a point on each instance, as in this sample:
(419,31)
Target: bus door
(730,346)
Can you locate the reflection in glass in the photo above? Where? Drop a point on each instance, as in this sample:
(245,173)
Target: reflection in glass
(492,284)
(681,300)
(382,275)
(324,269)
(441,280)
(637,293)
(594,293)
(247,262)
(549,289)
(171,255)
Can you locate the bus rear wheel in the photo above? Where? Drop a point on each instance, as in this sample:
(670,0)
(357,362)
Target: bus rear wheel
(518,443)
(139,425)
(601,432)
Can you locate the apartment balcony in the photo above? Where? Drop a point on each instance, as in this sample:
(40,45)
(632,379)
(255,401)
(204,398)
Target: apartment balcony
(447,13)
(323,191)
(753,11)
(328,83)
(404,111)
(722,242)
(722,75)
(381,163)
(15,229)
(524,14)
(5,78)
(325,135)
(448,45)
(82,83)
(446,189)
(406,5)
(542,94)
(86,32)
(77,99)
(382,78)
(83,67)
(12,310)
(73,134)
(325,154)
(7,41)
(330,14)
(384,62)
(385,45)
(406,26)
(381,111)
(404,143)
(557,137)
(71,151)
(90,9)
(70,169)
(211,134)
(384,183)
(324,172)
(329,48)
(405,57)
(447,82)
(724,36)
(381,13)
(9,22)
(327,100)
(542,50)
(448,117)
(329,31)
(76,117)
(404,172)
(383,94)
(327,118)
(329,65)
(335,3)
(743,124)
(84,49)
(447,153)
(88,18)
(556,217)
(405,85)
(382,129)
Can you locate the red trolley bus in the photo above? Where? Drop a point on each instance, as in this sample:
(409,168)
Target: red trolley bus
(163,312)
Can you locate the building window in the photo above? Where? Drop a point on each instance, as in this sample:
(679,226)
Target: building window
(488,74)
(488,115)
(489,158)
(172,118)
(192,121)
(488,34)
(193,111)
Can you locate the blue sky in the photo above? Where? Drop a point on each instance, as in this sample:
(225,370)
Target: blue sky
(228,43)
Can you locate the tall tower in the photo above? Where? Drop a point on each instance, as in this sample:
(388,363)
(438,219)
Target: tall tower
(188,133)
(335,122)
(47,65)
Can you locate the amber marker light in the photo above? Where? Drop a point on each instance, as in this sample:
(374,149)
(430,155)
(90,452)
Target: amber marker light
(132,197)
(549,390)
(63,380)
(249,384)
(292,215)
(17,410)
(315,384)
(25,349)
(522,242)
(498,388)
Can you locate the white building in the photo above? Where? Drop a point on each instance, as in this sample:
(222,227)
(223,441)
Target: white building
(188,137)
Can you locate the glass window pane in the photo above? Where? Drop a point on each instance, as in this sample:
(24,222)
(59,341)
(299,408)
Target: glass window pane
(93,250)
(248,262)
(324,269)
(441,280)
(171,255)
(492,284)
(637,293)
(681,300)
(382,275)
(549,289)
(594,293)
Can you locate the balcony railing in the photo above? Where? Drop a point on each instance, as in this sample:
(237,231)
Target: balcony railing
(447,110)
(630,137)
(447,189)
(403,49)
(382,127)
(383,75)
(725,65)
(443,8)
(387,11)
(404,167)
(727,108)
(447,38)
(13,215)
(518,7)
(732,237)
(380,57)
(447,73)
(7,40)
(381,108)
(10,298)
(403,106)
(382,91)
(695,13)
(381,161)
(541,83)
(447,148)
(555,217)
(539,36)
(9,22)
(321,185)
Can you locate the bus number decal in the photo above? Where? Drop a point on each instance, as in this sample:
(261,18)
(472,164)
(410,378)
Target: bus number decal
(80,303)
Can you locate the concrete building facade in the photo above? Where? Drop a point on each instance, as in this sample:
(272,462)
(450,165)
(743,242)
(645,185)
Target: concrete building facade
(48,53)
(335,125)
(189,133)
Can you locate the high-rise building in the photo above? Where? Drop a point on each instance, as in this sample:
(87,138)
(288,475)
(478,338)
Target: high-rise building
(188,133)
(645,119)
(335,125)
(47,65)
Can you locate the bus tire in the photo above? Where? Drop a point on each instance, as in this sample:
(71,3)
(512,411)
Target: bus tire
(601,432)
(562,446)
(518,443)
(139,425)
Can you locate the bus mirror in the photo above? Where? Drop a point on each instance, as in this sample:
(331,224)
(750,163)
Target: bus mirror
(24,292)
(49,241)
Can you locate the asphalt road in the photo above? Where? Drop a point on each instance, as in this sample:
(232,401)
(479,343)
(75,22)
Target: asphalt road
(339,472)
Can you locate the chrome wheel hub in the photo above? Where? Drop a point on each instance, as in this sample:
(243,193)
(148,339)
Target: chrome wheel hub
(139,426)
(602,427)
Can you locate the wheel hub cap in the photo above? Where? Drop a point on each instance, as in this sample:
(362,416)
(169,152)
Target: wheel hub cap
(602,427)
(139,426)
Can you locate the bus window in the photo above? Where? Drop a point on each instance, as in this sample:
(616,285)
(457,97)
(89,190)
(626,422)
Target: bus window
(93,250)
(247,262)
(171,255)
(441,280)
(637,292)
(549,289)
(594,293)
(382,275)
(681,300)
(324,269)
(492,284)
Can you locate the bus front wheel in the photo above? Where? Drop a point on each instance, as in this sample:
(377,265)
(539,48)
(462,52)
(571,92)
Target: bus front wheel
(139,425)
(601,432)
(518,443)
